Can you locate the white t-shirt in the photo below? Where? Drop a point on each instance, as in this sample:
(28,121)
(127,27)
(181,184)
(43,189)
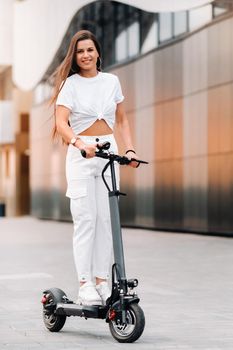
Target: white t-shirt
(90,99)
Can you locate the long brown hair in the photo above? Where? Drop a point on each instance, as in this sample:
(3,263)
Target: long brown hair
(69,66)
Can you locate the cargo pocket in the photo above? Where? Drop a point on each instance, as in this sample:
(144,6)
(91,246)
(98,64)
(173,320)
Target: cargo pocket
(75,193)
(79,204)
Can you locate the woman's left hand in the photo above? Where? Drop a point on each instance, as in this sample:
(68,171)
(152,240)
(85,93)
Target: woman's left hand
(131,155)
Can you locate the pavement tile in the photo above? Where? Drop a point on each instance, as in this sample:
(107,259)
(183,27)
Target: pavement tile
(185,285)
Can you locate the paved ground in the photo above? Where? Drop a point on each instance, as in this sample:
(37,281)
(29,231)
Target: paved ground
(186,289)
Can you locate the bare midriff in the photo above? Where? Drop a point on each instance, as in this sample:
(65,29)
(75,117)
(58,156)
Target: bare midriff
(98,128)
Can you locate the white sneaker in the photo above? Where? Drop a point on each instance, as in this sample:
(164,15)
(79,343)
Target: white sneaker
(104,291)
(88,295)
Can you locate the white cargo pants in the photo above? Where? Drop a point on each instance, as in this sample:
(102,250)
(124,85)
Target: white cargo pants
(92,239)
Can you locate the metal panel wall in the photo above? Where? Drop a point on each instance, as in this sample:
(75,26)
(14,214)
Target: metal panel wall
(184,93)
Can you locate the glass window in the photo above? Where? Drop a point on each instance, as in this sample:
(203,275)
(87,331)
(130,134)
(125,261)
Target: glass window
(121,46)
(151,40)
(219,10)
(180,22)
(200,16)
(165,26)
(133,39)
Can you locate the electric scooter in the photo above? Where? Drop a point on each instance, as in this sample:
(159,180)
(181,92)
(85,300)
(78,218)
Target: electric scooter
(122,311)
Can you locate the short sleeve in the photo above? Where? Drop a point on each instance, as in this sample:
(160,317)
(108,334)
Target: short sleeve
(118,95)
(65,97)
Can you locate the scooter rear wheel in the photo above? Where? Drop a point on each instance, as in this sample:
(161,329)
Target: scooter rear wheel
(134,327)
(53,322)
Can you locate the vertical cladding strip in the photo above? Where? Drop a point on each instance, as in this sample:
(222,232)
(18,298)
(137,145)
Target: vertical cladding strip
(195,132)
(220,118)
(168,202)
(144,140)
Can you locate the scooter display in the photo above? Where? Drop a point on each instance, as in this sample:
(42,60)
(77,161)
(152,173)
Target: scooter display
(122,311)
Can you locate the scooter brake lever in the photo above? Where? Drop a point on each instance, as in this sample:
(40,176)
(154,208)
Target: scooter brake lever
(104,146)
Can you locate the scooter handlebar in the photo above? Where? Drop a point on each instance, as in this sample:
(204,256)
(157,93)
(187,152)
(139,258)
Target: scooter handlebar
(123,160)
(120,159)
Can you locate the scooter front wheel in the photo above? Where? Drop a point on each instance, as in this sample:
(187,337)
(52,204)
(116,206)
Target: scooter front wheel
(132,330)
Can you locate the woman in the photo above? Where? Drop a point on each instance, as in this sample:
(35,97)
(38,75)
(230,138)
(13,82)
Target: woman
(87,105)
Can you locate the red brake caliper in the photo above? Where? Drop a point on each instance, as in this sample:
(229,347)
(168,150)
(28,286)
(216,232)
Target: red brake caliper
(112,314)
(44,299)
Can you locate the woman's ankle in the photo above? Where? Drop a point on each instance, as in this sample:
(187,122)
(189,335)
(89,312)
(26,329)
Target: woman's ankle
(82,283)
(100,280)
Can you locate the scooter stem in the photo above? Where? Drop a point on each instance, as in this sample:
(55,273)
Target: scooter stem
(116,229)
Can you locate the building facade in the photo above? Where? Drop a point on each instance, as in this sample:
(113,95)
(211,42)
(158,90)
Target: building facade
(176,71)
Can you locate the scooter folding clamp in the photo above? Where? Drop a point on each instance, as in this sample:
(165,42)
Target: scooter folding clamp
(132,283)
(116,193)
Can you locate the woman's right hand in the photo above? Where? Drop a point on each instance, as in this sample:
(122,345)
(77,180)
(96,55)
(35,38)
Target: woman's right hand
(89,149)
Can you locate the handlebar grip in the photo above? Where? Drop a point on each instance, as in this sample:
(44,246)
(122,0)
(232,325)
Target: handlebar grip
(83,153)
(139,161)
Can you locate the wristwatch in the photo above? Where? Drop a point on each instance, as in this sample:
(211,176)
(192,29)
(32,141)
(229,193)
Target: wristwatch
(73,140)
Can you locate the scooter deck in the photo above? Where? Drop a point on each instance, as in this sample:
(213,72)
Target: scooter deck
(88,311)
